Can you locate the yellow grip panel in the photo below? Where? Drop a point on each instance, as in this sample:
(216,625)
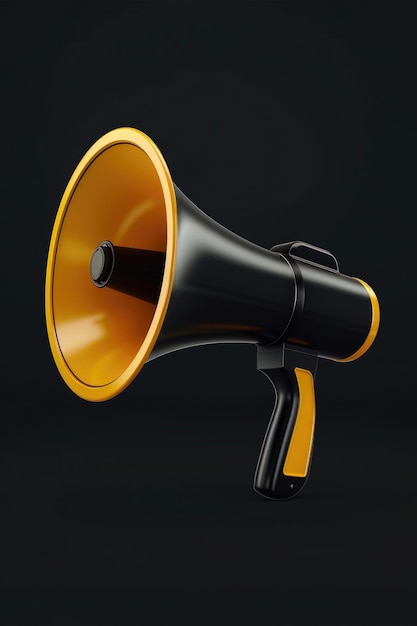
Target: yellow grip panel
(299,451)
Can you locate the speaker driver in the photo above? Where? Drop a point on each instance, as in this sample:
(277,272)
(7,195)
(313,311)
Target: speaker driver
(121,192)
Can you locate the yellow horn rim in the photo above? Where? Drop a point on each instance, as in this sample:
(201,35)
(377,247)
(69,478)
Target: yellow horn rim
(120,191)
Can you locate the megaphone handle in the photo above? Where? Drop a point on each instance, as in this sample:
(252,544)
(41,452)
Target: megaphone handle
(285,456)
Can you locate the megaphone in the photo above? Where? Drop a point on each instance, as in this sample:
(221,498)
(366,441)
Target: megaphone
(135,270)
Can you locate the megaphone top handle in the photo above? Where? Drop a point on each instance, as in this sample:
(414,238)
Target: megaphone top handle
(285,456)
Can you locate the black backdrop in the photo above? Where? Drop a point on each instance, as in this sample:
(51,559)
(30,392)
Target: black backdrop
(281,121)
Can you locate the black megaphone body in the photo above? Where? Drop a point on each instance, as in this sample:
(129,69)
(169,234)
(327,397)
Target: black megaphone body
(135,270)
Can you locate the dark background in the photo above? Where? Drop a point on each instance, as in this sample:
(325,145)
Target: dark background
(282,121)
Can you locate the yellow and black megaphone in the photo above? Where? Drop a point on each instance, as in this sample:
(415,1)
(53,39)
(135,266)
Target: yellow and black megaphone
(135,270)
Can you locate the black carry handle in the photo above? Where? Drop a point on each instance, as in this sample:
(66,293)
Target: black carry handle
(285,457)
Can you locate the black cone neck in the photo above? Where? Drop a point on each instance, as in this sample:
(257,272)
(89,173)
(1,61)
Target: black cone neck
(132,271)
(102,264)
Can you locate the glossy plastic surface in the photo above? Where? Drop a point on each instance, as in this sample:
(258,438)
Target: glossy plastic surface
(285,456)
(226,289)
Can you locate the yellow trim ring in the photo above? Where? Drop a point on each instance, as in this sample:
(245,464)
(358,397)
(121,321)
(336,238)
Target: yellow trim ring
(376,317)
(99,338)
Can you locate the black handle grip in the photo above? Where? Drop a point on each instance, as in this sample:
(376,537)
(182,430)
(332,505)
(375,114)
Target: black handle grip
(285,456)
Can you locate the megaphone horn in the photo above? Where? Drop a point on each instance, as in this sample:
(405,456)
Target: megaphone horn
(135,270)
